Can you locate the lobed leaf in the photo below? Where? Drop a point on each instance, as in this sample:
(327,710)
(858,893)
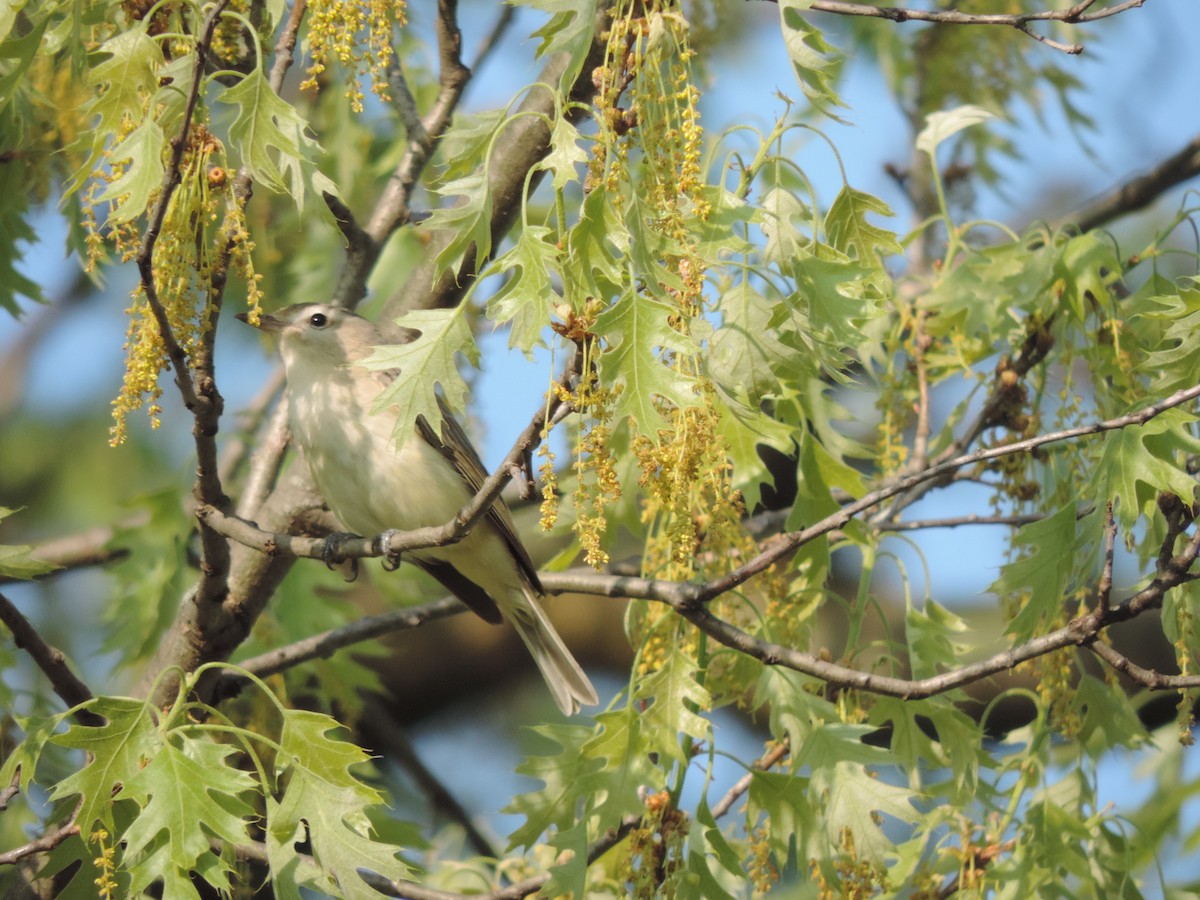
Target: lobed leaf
(427,362)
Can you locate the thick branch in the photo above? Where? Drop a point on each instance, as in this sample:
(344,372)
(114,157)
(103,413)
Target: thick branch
(523,144)
(1141,191)
(82,550)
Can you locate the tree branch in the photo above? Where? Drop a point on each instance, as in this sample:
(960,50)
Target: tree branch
(324,645)
(47,841)
(390,740)
(69,687)
(82,550)
(764,762)
(787,544)
(1142,190)
(1075,15)
(524,143)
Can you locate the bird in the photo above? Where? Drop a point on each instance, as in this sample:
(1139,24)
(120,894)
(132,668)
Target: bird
(375,483)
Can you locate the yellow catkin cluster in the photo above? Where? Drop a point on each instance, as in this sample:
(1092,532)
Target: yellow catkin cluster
(760,867)
(597,488)
(204,217)
(106,883)
(646,100)
(358,35)
(857,878)
(654,859)
(693,517)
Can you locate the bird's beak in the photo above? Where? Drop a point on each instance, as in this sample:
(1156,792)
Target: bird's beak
(265,323)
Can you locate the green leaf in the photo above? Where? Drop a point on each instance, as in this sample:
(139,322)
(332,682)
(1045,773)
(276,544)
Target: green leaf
(944,124)
(427,362)
(142,148)
(1043,570)
(832,298)
(1087,267)
(326,803)
(269,137)
(745,354)
(677,700)
(708,842)
(25,756)
(16,560)
(1176,359)
(465,144)
(635,329)
(565,154)
(853,235)
(467,222)
(1138,462)
(594,245)
(848,792)
(1107,719)
(21,49)
(956,743)
(795,711)
(623,745)
(775,216)
(525,300)
(930,645)
(150,578)
(743,428)
(118,749)
(14,231)
(570,30)
(568,876)
(563,774)
(188,795)
(124,81)
(815,61)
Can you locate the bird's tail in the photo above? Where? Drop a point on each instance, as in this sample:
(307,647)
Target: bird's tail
(564,676)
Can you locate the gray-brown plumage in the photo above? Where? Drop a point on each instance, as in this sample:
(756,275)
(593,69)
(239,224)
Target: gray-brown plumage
(374,485)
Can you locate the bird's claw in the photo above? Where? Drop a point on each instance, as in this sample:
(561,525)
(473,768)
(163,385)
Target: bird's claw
(391,558)
(332,557)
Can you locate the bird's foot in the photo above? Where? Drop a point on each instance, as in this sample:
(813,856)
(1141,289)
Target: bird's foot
(331,554)
(391,558)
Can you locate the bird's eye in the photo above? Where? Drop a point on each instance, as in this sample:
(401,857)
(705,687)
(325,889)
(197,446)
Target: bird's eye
(318,320)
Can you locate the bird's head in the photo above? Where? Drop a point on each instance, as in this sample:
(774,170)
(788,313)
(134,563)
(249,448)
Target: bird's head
(319,336)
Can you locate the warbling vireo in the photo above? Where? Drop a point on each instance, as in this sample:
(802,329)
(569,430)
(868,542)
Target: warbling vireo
(373,484)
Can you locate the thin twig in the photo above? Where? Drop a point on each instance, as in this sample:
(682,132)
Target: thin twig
(325,644)
(492,38)
(69,687)
(1148,678)
(785,545)
(959,521)
(391,741)
(47,841)
(764,762)
(1075,15)
(921,343)
(685,599)
(83,550)
(1104,588)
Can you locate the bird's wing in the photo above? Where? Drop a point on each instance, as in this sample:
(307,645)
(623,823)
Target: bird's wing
(454,444)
